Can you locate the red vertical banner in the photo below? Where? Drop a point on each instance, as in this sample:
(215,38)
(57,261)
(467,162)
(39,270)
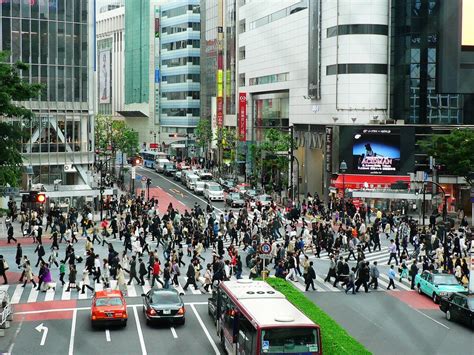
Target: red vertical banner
(220,112)
(242,116)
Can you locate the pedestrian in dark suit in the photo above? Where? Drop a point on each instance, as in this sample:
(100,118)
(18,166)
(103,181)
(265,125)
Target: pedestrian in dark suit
(310,277)
(10,234)
(191,275)
(413,272)
(133,271)
(142,271)
(19,254)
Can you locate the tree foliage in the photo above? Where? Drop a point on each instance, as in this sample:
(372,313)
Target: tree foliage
(115,134)
(203,133)
(13,89)
(454,150)
(266,157)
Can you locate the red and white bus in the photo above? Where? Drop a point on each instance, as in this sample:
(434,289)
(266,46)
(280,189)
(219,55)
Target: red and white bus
(253,319)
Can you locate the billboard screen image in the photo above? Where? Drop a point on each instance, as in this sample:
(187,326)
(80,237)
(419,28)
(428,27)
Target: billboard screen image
(104,77)
(467,23)
(376,151)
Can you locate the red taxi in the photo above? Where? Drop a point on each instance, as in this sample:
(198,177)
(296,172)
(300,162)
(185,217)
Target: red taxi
(109,307)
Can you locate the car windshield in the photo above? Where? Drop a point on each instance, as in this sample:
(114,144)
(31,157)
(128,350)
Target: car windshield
(264,198)
(165,298)
(251,192)
(199,184)
(206,177)
(289,341)
(214,188)
(235,196)
(108,301)
(229,183)
(445,280)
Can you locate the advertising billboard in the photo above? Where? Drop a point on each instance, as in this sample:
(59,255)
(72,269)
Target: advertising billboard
(242,118)
(104,76)
(467,37)
(376,151)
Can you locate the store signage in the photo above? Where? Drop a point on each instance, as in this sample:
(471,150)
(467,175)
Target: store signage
(312,140)
(328,155)
(242,121)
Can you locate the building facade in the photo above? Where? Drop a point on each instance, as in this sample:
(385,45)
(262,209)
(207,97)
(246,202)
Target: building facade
(55,38)
(110,58)
(180,41)
(313,66)
(162,71)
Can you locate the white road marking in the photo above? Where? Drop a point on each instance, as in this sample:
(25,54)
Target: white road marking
(66,295)
(139,329)
(146,287)
(41,328)
(173,331)
(98,286)
(203,326)
(131,292)
(50,293)
(83,296)
(107,335)
(87,308)
(427,316)
(33,295)
(17,294)
(73,332)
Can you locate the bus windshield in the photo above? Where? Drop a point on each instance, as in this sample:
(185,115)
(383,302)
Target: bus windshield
(289,340)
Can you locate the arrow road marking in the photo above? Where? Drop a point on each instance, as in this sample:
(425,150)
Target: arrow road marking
(41,328)
(107,335)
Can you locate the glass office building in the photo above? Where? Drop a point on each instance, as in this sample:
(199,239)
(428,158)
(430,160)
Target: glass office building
(415,98)
(52,37)
(180,42)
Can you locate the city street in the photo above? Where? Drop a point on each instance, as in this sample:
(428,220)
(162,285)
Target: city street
(387,322)
(68,328)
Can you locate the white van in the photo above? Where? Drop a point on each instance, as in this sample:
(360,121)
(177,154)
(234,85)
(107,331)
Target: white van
(160,164)
(213,191)
(191,181)
(199,188)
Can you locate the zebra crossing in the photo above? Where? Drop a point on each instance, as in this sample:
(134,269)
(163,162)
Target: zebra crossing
(322,286)
(30,294)
(381,256)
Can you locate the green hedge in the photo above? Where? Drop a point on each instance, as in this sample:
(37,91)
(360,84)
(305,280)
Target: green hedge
(335,339)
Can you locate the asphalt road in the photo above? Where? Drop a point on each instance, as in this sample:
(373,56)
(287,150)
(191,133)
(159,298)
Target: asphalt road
(69,332)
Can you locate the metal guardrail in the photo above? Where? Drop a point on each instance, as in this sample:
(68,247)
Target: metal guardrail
(7,310)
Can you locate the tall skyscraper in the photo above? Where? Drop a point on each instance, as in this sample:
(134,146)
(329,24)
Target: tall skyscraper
(55,38)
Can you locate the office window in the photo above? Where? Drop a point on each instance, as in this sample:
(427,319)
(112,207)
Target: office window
(357,29)
(242,26)
(356,69)
(242,53)
(242,79)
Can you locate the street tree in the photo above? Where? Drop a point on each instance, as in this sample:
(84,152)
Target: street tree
(115,136)
(454,150)
(269,165)
(203,134)
(13,89)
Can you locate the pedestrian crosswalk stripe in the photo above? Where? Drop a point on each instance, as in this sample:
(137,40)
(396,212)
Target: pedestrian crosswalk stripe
(321,284)
(131,292)
(33,295)
(98,286)
(179,288)
(146,287)
(17,294)
(50,293)
(66,295)
(83,296)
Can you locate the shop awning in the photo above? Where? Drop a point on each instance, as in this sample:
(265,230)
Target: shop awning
(368,181)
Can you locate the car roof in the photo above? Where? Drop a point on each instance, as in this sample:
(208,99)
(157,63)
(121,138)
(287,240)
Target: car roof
(108,293)
(158,291)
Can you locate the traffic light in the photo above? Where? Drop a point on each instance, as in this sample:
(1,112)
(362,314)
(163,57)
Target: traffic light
(148,182)
(137,161)
(40,198)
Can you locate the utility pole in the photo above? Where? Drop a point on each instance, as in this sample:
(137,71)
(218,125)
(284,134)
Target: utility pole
(292,159)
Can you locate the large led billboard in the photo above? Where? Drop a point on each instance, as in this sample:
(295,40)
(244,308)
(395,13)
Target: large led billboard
(376,151)
(467,37)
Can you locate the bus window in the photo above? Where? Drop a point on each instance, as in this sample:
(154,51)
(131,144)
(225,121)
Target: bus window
(284,340)
(247,336)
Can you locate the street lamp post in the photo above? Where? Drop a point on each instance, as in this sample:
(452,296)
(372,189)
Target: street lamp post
(343,169)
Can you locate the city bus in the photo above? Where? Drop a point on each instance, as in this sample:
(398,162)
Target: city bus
(253,318)
(150,157)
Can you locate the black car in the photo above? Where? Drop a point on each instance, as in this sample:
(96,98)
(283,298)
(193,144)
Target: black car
(169,169)
(163,304)
(234,199)
(251,194)
(459,307)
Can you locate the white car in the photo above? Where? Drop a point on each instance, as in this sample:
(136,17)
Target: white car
(199,187)
(191,180)
(213,192)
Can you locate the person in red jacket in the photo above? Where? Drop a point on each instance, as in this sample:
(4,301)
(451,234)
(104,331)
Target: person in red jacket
(156,268)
